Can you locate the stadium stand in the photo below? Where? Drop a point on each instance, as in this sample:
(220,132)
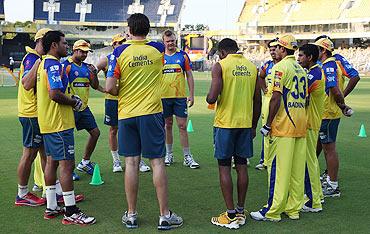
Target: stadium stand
(2,13)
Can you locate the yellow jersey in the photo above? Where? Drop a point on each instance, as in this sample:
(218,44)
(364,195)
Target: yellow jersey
(27,103)
(316,94)
(52,116)
(234,107)
(173,82)
(333,78)
(138,64)
(290,79)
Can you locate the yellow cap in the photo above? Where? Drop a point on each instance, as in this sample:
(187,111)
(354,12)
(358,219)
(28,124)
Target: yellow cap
(117,38)
(82,45)
(41,33)
(325,43)
(287,41)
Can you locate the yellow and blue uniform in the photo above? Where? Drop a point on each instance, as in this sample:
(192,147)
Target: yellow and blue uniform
(111,104)
(138,65)
(346,68)
(56,120)
(173,84)
(79,77)
(332,112)
(234,109)
(316,91)
(267,67)
(287,142)
(27,104)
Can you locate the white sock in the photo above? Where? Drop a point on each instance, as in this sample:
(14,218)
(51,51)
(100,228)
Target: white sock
(333,184)
(22,190)
(85,162)
(58,188)
(51,198)
(115,155)
(169,148)
(69,198)
(186,151)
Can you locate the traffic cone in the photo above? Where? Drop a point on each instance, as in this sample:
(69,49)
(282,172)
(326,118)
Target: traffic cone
(96,178)
(362,131)
(190,127)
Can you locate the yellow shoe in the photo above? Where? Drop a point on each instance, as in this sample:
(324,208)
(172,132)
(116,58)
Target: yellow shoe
(224,221)
(241,218)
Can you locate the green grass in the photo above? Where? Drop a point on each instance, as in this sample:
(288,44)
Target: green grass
(194,194)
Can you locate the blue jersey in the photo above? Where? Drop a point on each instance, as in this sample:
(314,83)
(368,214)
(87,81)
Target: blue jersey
(347,69)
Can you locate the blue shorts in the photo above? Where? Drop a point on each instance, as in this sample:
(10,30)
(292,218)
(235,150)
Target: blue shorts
(233,142)
(85,120)
(175,106)
(328,130)
(60,145)
(31,132)
(111,112)
(142,135)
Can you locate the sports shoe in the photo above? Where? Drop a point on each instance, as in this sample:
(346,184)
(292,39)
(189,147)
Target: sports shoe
(329,191)
(223,220)
(117,166)
(130,220)
(260,167)
(241,218)
(143,167)
(29,199)
(256,215)
(88,168)
(168,159)
(79,218)
(189,162)
(78,198)
(309,209)
(37,188)
(75,176)
(323,176)
(51,214)
(173,221)
(248,162)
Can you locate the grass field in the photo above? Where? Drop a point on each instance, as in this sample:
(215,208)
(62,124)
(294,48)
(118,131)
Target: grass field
(193,194)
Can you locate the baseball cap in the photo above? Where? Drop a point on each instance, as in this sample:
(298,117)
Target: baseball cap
(82,45)
(325,43)
(287,41)
(41,33)
(117,38)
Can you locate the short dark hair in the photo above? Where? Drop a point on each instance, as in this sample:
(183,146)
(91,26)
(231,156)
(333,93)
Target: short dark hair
(327,52)
(138,24)
(269,43)
(49,38)
(167,33)
(228,45)
(322,36)
(288,51)
(310,50)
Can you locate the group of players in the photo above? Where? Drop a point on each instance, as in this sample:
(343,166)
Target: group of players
(145,87)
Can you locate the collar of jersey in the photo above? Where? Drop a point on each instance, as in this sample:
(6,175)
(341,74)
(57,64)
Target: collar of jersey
(137,41)
(49,56)
(32,51)
(177,50)
(316,65)
(328,60)
(71,61)
(289,57)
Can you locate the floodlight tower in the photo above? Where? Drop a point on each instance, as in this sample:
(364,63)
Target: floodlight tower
(83,8)
(164,9)
(135,7)
(51,7)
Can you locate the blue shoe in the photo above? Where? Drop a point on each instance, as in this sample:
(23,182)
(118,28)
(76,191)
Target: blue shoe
(75,176)
(88,168)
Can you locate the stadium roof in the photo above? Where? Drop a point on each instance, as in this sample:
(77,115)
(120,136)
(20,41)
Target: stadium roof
(105,12)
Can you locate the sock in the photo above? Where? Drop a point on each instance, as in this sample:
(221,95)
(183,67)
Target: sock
(115,155)
(169,148)
(231,213)
(69,198)
(85,162)
(22,190)
(239,209)
(186,151)
(51,199)
(58,188)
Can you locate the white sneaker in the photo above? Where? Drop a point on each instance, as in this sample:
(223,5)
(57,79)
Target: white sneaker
(260,166)
(143,167)
(168,159)
(37,188)
(309,209)
(259,217)
(117,166)
(189,162)
(248,162)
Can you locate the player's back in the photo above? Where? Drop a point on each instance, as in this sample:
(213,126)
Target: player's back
(235,104)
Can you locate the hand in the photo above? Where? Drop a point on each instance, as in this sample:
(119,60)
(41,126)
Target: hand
(92,69)
(78,105)
(265,130)
(347,111)
(190,101)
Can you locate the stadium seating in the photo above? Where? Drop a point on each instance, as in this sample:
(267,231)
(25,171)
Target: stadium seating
(2,15)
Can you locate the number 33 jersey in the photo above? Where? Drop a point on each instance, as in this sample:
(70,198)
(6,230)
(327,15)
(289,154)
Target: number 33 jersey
(290,79)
